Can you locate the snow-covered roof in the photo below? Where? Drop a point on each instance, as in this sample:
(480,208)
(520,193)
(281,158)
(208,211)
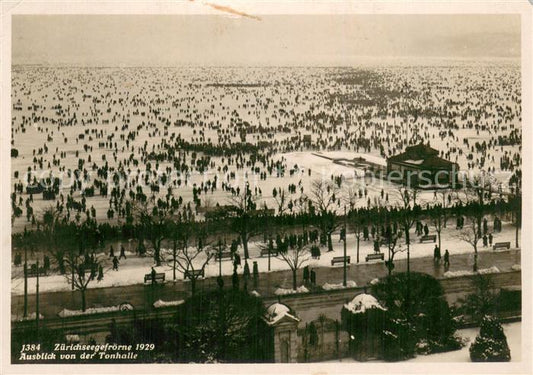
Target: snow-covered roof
(278,311)
(415,162)
(363,302)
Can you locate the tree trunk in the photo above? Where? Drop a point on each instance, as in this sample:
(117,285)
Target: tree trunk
(83,303)
(174,254)
(516,231)
(475,259)
(438,234)
(193,285)
(294,279)
(358,238)
(330,242)
(516,237)
(25,283)
(244,238)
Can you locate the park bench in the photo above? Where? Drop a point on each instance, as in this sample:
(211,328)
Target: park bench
(158,277)
(273,253)
(502,245)
(32,271)
(193,274)
(339,260)
(224,255)
(375,256)
(431,237)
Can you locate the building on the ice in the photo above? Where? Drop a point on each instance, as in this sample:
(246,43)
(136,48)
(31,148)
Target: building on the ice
(421,166)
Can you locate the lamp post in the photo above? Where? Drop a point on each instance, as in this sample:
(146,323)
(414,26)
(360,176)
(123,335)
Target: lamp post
(344,262)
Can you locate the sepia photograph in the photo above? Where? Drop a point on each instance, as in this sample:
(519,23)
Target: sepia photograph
(235,187)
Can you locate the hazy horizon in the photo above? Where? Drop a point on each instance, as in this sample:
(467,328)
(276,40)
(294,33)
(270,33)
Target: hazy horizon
(274,40)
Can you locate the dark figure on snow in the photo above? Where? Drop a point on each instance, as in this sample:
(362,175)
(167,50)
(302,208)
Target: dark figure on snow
(100,273)
(111,252)
(446,260)
(376,246)
(115,263)
(236,260)
(122,252)
(365,233)
(485,226)
(235,279)
(152,274)
(490,239)
(306,274)
(485,241)
(426,230)
(313,277)
(436,254)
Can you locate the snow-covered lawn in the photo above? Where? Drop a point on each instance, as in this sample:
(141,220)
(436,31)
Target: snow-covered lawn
(512,331)
(514,340)
(132,270)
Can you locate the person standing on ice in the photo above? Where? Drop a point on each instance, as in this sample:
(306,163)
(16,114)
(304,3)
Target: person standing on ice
(436,255)
(115,263)
(122,252)
(446,260)
(111,252)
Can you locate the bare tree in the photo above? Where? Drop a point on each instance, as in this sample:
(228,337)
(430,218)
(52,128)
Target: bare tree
(478,189)
(83,269)
(243,224)
(357,220)
(153,222)
(472,234)
(185,255)
(281,200)
(324,195)
(295,258)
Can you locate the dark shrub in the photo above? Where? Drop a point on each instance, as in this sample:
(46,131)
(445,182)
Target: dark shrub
(422,305)
(491,344)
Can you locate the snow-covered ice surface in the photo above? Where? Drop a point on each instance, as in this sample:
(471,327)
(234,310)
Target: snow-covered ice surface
(99,105)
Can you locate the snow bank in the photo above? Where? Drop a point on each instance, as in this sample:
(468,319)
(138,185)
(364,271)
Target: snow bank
(160,303)
(300,289)
(31,316)
(349,284)
(94,310)
(482,271)
(374,281)
(362,302)
(516,267)
(72,338)
(255,293)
